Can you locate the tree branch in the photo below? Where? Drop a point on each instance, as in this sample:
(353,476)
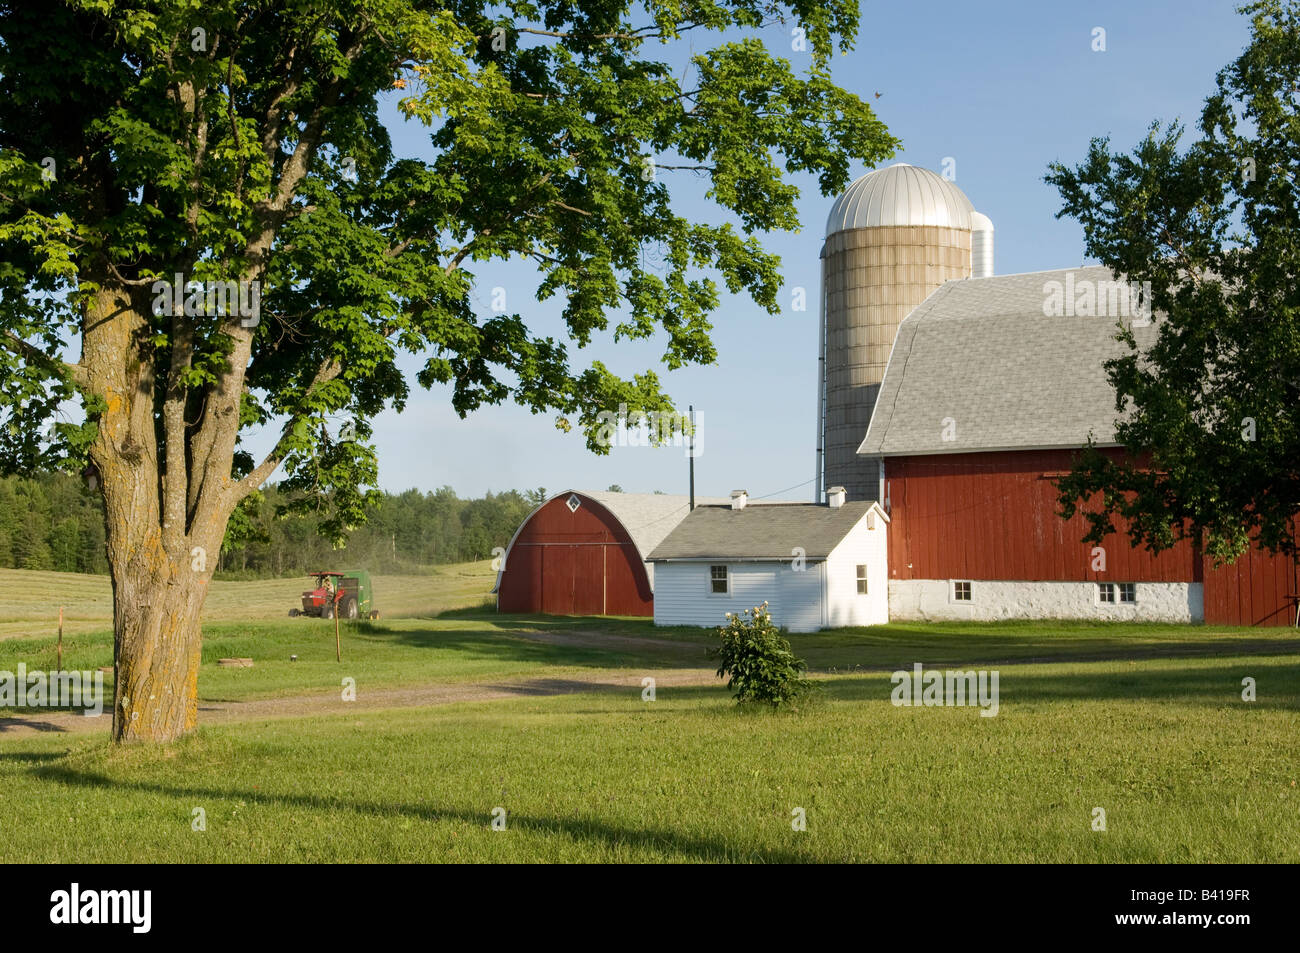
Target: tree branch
(329,369)
(176,493)
(213,446)
(34,355)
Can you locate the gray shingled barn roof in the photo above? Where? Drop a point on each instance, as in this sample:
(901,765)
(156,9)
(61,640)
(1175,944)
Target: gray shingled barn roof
(982,352)
(760,531)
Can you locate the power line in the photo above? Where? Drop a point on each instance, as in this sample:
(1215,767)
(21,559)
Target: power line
(786,490)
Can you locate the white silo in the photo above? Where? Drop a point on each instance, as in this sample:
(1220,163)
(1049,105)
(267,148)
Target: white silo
(981,246)
(893,237)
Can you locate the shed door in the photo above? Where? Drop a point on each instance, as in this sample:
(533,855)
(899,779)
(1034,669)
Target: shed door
(573,579)
(557,579)
(588,580)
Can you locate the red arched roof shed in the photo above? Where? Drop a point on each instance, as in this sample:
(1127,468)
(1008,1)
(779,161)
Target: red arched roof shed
(583,553)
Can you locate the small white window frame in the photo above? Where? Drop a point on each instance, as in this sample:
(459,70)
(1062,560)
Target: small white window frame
(862,580)
(1102,589)
(970,590)
(727,578)
(1119,594)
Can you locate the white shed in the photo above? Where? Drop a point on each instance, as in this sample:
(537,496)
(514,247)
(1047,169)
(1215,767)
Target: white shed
(816,565)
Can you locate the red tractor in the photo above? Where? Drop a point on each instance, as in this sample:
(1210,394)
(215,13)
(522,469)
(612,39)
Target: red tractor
(345,593)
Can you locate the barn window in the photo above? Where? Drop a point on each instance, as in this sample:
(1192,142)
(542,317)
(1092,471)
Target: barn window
(573,502)
(718,582)
(1127,592)
(961,592)
(1106,592)
(862,580)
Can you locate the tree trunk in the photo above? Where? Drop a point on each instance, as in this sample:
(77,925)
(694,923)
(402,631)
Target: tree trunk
(159,565)
(157,644)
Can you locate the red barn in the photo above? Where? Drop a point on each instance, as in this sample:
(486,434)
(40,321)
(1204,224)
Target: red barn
(985,401)
(583,553)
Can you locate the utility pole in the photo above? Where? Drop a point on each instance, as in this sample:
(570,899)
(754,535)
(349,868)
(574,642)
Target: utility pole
(691,454)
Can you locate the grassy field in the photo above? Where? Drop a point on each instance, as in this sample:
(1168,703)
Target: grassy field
(30,601)
(1146,722)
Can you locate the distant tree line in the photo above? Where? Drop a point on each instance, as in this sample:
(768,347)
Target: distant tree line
(53,521)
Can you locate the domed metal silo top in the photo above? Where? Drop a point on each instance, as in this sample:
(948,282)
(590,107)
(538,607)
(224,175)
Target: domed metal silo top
(900,194)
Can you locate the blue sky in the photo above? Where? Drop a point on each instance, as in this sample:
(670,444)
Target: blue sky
(1002,88)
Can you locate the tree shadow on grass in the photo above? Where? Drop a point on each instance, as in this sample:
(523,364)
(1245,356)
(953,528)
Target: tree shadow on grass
(29,724)
(31,757)
(824,652)
(1218,686)
(632,626)
(584,829)
(544,687)
(874,648)
(623,642)
(503,644)
(1277,685)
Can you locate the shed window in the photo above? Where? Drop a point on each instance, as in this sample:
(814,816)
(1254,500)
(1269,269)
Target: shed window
(961,591)
(862,580)
(1109,593)
(718,583)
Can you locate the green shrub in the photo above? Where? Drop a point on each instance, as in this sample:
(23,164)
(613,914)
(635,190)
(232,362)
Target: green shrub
(758,661)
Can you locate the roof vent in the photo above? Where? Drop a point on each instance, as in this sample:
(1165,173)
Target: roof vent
(739,498)
(573,502)
(835,496)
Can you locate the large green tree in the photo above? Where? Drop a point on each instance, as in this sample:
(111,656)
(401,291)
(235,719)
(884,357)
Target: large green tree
(241,143)
(1210,420)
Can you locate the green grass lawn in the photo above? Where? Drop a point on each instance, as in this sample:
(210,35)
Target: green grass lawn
(898,644)
(477,644)
(1185,771)
(1144,721)
(387,654)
